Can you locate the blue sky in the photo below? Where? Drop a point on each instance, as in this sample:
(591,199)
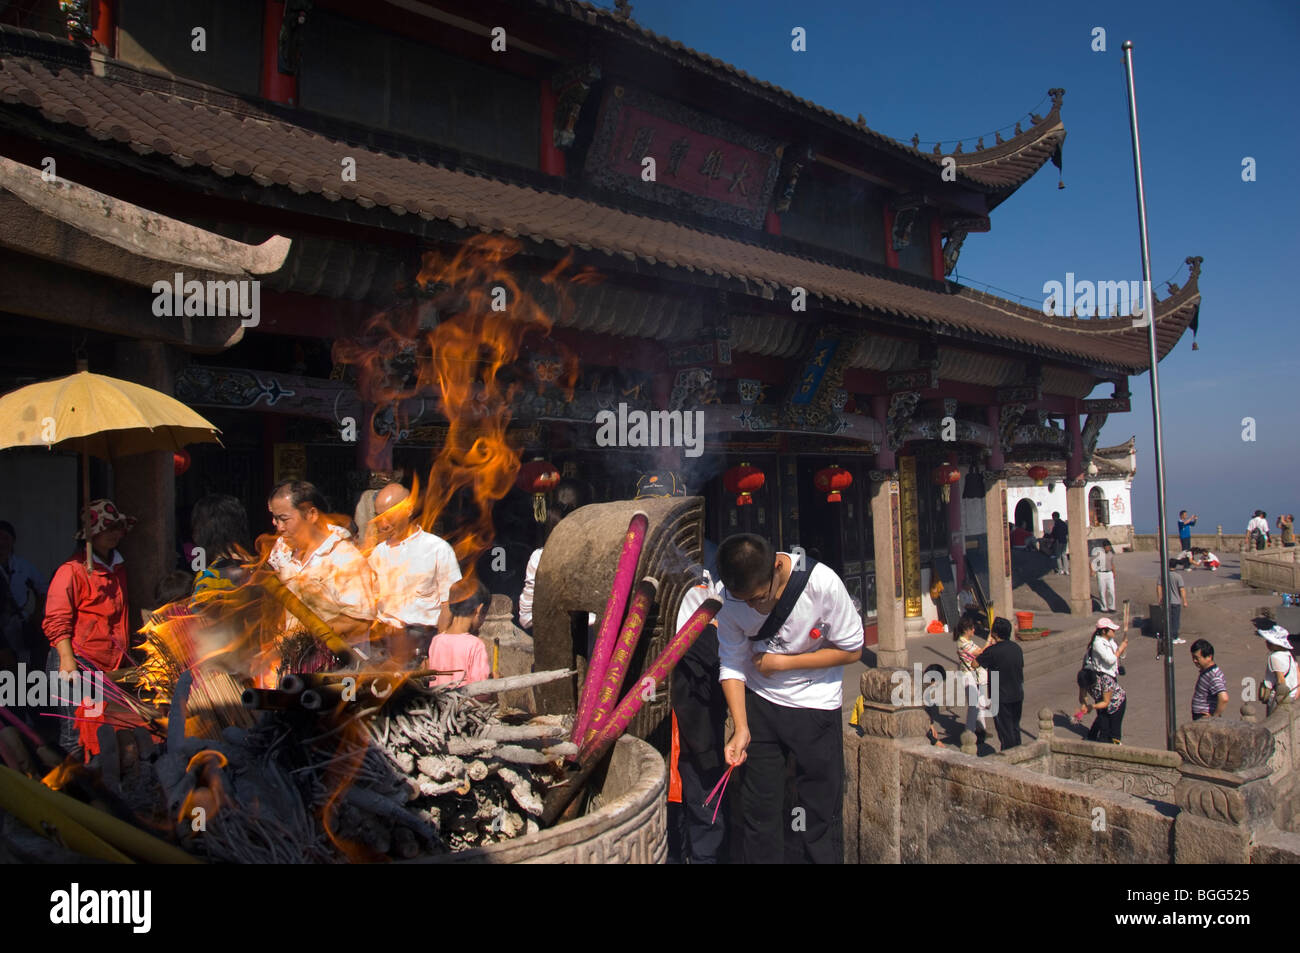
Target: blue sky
(1216,83)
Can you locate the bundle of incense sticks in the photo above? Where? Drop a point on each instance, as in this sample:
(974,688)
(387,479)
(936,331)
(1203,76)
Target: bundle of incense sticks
(610,622)
(594,748)
(560,796)
(628,637)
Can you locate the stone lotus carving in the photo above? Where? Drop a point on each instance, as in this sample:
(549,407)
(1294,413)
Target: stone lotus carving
(1212,801)
(1224,745)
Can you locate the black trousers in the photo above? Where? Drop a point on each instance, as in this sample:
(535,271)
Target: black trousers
(815,823)
(701,838)
(1108,726)
(1007,723)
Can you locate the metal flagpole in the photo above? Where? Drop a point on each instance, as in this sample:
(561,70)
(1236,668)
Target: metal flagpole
(1148,315)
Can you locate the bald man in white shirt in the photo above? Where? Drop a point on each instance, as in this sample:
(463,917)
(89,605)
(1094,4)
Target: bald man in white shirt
(414,573)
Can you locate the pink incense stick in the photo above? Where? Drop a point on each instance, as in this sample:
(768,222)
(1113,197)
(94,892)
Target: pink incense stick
(624,576)
(658,672)
(628,637)
(719,789)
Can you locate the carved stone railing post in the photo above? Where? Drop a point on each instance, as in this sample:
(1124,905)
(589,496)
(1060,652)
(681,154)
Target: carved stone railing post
(1224,790)
(1045,724)
(880,715)
(969,743)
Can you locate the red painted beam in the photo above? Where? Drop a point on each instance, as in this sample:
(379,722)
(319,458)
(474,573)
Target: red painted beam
(104,20)
(551,159)
(891,256)
(936,248)
(276,86)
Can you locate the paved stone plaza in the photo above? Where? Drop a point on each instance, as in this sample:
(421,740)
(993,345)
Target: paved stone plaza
(1218,609)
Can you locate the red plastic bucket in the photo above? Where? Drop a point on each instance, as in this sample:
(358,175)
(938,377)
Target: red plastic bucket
(1025,620)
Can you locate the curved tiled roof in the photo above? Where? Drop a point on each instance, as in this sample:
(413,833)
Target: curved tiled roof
(1002,167)
(275,153)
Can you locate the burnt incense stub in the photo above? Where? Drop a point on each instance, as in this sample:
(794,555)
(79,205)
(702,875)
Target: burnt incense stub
(574,578)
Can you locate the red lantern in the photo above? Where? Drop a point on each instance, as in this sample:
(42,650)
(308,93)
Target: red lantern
(831,481)
(944,476)
(745,481)
(536,478)
(180,461)
(1038,473)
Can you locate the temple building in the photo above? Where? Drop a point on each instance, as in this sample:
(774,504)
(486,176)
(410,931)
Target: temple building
(765,267)
(1032,498)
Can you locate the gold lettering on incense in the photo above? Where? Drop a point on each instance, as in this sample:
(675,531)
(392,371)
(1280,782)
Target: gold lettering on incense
(911,538)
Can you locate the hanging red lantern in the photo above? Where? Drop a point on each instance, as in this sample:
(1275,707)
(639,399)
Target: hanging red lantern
(180,461)
(536,478)
(1038,473)
(744,480)
(945,475)
(831,481)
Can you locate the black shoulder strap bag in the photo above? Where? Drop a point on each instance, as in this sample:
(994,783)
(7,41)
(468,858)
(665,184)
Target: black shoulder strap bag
(794,588)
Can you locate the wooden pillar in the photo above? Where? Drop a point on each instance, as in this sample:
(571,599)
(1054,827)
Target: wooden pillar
(552,156)
(936,248)
(891,255)
(145,483)
(104,25)
(999,542)
(891,648)
(1076,515)
(276,86)
(956,542)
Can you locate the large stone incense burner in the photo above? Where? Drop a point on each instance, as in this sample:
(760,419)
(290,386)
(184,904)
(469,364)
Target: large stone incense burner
(574,578)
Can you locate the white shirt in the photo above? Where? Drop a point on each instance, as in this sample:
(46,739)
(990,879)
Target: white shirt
(1104,657)
(1258,523)
(694,598)
(824,605)
(526,597)
(413,578)
(1103,561)
(333,580)
(1281,661)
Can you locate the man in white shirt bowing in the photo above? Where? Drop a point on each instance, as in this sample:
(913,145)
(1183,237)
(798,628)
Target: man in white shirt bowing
(414,573)
(784,637)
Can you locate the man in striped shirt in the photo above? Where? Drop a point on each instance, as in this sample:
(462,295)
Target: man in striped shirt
(1210,697)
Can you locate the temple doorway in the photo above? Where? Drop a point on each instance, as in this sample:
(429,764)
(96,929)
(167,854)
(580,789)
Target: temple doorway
(1027,516)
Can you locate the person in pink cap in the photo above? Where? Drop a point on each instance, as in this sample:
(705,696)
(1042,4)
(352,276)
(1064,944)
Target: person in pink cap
(86,617)
(1103,656)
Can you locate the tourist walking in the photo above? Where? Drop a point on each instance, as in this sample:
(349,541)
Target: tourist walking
(1185,524)
(414,572)
(1257,530)
(1004,659)
(1177,599)
(1061,544)
(784,638)
(1103,695)
(1210,696)
(86,617)
(974,677)
(1103,567)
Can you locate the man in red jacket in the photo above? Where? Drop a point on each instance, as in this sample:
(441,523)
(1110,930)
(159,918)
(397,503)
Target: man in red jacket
(86,616)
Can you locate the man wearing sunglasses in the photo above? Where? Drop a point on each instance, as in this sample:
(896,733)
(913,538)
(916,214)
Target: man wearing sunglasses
(781,664)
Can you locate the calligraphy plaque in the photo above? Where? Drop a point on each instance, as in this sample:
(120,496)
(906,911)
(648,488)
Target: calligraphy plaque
(701,163)
(911,537)
(1107,405)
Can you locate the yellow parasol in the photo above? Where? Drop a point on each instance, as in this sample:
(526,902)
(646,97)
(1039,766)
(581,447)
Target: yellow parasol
(100,416)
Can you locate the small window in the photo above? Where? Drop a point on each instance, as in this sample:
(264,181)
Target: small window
(1099,507)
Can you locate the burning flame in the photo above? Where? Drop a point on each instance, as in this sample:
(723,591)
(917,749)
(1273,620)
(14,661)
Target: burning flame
(208,793)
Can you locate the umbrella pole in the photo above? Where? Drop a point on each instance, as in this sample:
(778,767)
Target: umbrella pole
(85,504)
